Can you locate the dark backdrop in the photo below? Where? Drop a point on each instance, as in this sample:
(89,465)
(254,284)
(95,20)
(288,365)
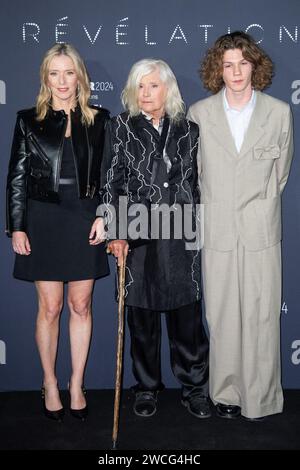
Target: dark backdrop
(111,36)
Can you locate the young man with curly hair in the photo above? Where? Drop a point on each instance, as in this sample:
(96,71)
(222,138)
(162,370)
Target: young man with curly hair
(244,159)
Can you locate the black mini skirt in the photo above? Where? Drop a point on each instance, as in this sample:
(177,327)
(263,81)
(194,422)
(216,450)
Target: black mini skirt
(59,239)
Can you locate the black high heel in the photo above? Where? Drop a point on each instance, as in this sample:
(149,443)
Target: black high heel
(82,412)
(56,415)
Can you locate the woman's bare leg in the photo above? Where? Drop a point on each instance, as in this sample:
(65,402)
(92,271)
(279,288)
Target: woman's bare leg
(50,300)
(80,305)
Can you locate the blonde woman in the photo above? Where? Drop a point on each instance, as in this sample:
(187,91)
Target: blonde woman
(52,195)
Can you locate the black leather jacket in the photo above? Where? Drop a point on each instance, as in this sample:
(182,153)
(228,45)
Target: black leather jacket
(34,168)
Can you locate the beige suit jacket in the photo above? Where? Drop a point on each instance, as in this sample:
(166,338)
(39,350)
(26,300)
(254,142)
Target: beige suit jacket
(241,192)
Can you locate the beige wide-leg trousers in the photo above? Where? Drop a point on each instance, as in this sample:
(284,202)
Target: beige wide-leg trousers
(242,292)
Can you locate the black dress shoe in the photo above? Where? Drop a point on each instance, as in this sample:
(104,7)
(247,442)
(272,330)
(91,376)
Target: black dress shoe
(197,405)
(82,413)
(56,415)
(145,403)
(228,411)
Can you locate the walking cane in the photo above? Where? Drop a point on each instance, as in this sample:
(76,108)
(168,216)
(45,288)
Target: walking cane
(121,282)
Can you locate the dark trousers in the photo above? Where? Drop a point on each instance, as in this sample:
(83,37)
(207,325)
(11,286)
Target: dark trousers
(188,348)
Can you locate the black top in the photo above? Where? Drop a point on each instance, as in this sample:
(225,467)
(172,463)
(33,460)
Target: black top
(67,169)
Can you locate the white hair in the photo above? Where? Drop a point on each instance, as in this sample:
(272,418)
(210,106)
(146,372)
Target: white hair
(174,105)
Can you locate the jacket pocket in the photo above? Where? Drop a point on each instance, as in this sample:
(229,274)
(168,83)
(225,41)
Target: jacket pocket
(220,231)
(39,151)
(266,153)
(39,173)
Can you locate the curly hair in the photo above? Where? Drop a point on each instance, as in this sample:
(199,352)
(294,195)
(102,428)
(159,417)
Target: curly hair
(211,71)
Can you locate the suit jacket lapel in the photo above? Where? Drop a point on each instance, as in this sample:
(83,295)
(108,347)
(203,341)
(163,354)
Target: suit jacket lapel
(219,126)
(255,129)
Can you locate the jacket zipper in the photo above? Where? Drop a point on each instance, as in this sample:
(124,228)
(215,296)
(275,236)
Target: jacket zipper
(40,152)
(88,187)
(58,166)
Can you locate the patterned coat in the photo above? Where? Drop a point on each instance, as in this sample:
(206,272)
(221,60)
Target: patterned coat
(161,273)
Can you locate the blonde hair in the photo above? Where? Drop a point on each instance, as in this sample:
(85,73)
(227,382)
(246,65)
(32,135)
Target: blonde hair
(43,102)
(174,105)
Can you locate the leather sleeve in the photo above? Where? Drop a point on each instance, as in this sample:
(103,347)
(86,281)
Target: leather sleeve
(16,190)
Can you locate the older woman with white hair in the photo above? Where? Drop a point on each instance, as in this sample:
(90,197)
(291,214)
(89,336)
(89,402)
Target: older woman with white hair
(150,159)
